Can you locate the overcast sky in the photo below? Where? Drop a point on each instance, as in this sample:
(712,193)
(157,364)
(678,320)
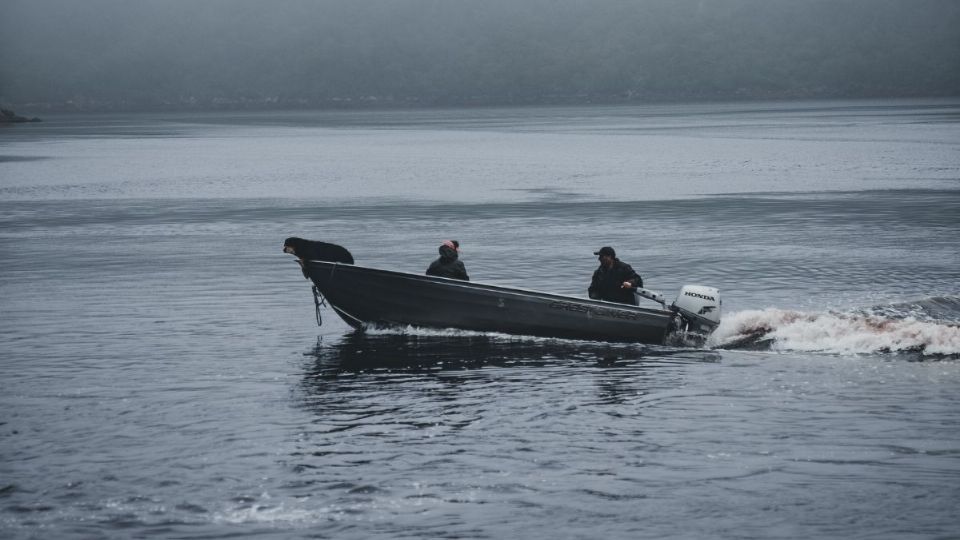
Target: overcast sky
(146,53)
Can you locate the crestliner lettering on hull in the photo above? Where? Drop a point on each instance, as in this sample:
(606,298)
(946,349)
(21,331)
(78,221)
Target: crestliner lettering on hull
(698,295)
(602,312)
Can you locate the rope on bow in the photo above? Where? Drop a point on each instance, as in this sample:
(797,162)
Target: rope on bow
(318,300)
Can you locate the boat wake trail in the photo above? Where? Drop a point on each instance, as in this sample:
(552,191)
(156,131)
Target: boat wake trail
(929,327)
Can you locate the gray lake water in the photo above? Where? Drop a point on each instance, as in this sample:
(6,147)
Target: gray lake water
(162,373)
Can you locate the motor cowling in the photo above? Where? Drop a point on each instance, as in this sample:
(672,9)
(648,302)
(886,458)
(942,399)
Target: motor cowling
(699,306)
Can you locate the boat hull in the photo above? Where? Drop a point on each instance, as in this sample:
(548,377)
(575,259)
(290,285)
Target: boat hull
(372,297)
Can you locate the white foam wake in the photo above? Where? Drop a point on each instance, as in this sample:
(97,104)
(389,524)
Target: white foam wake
(835,333)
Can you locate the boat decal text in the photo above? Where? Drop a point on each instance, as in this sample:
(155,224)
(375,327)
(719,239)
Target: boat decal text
(599,311)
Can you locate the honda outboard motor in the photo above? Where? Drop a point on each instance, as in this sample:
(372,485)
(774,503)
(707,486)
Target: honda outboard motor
(699,309)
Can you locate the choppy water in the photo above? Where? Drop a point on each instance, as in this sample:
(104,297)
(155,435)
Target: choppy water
(162,374)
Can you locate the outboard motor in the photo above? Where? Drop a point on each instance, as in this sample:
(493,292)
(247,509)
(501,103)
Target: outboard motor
(698,308)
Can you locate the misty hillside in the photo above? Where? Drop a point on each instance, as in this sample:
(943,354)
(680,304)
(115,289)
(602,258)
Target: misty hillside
(147,54)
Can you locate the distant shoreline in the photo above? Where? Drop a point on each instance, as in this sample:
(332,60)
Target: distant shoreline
(10,117)
(268,104)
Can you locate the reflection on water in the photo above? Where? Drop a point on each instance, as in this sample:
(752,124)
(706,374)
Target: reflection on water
(362,352)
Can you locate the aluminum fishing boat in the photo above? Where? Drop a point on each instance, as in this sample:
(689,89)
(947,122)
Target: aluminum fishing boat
(371,297)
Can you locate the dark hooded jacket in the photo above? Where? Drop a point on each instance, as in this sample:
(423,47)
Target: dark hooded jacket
(606,283)
(448,265)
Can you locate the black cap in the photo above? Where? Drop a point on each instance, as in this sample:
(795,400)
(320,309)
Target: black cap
(606,250)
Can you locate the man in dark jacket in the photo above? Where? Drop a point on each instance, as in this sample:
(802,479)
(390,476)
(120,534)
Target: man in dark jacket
(449,264)
(614,280)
